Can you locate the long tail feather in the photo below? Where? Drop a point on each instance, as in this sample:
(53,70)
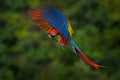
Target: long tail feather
(80,54)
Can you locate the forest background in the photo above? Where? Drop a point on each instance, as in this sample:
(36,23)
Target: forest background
(26,52)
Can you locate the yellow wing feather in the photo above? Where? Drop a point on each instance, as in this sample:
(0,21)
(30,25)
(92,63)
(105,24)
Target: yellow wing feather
(70,27)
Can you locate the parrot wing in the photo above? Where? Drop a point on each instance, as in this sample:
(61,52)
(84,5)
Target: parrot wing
(48,18)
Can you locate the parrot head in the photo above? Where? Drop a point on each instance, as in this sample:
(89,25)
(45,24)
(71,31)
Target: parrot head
(52,33)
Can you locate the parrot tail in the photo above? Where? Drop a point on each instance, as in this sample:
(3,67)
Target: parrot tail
(80,54)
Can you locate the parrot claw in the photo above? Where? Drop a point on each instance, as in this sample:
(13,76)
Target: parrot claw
(60,45)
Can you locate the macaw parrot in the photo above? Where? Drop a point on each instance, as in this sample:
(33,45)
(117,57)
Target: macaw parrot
(57,26)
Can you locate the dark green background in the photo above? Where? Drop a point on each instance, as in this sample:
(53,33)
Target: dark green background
(26,53)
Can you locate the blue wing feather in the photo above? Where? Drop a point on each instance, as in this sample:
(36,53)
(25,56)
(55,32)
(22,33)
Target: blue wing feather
(57,21)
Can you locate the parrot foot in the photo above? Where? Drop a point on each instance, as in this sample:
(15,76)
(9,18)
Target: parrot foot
(60,45)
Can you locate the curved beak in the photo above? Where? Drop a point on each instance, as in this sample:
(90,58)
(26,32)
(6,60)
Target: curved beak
(49,36)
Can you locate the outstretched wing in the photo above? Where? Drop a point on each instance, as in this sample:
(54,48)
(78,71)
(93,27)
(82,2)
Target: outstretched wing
(48,18)
(35,15)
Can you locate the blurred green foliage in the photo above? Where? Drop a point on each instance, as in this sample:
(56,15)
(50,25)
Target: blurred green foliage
(26,52)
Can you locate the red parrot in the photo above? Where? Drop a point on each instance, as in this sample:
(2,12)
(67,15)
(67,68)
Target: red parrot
(56,25)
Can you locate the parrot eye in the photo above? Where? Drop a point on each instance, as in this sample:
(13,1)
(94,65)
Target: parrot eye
(53,34)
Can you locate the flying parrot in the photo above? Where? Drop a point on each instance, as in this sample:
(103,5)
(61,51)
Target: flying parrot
(57,26)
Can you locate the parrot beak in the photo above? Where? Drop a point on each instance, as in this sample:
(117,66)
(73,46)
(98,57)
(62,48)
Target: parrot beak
(49,36)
